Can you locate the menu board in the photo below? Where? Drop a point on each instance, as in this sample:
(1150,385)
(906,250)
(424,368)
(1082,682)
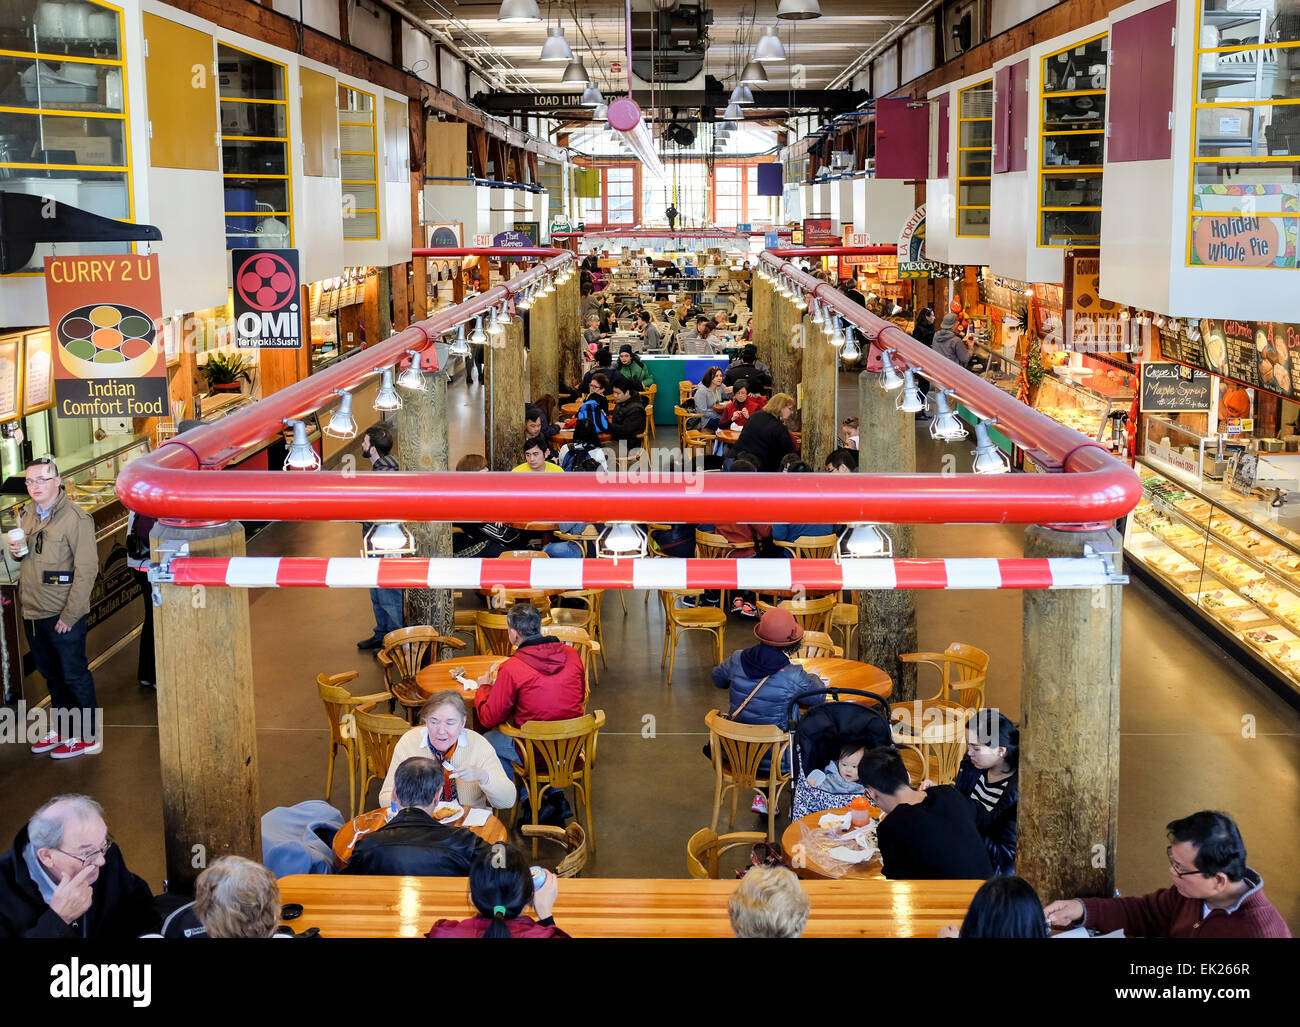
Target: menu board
(1242,471)
(1006,297)
(37,394)
(1171,388)
(9,380)
(1175,345)
(1255,353)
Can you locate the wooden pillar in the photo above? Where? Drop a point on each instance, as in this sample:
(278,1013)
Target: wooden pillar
(423,445)
(503,405)
(383,299)
(370,316)
(543,347)
(398,276)
(764,314)
(817,420)
(785,360)
(570,332)
(207,737)
(1069,727)
(887,617)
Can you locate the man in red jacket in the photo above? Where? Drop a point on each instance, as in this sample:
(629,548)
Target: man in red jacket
(541,681)
(1214,893)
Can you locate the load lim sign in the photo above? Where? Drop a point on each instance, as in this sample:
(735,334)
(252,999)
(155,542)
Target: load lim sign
(268,309)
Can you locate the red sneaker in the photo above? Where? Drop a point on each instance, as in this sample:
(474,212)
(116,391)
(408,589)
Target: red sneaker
(50,741)
(77,747)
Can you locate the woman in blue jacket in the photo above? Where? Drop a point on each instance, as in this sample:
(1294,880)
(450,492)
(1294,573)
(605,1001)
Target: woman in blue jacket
(989,776)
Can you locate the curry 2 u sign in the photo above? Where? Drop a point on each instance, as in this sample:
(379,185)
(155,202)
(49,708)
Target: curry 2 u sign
(268,299)
(104,317)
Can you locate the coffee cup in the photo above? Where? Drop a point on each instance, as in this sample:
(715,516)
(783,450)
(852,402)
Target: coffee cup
(20,537)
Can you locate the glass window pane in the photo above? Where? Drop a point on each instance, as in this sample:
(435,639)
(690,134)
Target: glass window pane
(1066,228)
(976,133)
(360,225)
(1222,186)
(71,27)
(973,194)
(62,139)
(252,119)
(975,164)
(357,168)
(359,196)
(242,74)
(1229,240)
(1080,67)
(1250,73)
(252,158)
(1073,150)
(100,192)
(972,222)
(1069,113)
(250,195)
(55,85)
(1071,190)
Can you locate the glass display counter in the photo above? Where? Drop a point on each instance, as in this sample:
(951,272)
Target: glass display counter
(1074,405)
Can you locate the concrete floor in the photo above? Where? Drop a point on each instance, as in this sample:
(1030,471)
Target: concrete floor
(1182,745)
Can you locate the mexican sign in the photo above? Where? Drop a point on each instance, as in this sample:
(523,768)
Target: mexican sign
(107,350)
(911,248)
(267,299)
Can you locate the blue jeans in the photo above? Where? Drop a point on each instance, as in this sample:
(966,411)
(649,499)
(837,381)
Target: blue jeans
(710,420)
(564,549)
(504,747)
(61,660)
(388,610)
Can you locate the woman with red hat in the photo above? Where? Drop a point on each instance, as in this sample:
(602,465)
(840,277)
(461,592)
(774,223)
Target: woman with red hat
(762,680)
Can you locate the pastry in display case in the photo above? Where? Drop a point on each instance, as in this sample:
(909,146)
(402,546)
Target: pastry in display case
(1225,556)
(1074,405)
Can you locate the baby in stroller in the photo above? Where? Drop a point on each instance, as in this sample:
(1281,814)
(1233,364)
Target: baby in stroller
(841,776)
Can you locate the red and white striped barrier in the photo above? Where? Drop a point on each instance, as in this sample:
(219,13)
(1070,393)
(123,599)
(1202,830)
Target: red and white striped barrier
(762,575)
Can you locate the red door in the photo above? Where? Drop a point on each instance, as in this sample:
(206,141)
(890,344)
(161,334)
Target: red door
(1019,126)
(1140,86)
(941,137)
(1001,119)
(902,138)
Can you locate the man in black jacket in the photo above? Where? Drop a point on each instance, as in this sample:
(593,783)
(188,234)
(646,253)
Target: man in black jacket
(627,419)
(65,878)
(923,835)
(749,369)
(413,843)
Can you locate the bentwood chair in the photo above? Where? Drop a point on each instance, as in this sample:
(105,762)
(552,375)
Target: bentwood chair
(815,644)
(937,729)
(706,845)
(572,839)
(491,634)
(339,703)
(587,616)
(739,751)
(378,735)
(559,754)
(404,653)
(649,393)
(709,545)
(811,614)
(579,640)
(811,547)
(844,619)
(679,621)
(962,672)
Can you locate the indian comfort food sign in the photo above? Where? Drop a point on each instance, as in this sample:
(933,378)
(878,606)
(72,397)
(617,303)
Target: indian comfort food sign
(107,350)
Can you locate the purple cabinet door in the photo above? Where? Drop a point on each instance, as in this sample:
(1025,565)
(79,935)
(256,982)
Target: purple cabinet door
(1019,126)
(1157,86)
(942,136)
(1001,120)
(902,138)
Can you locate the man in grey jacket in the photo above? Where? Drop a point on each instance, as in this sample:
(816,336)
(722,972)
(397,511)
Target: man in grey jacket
(947,343)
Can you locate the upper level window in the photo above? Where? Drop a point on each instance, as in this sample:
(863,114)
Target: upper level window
(358,154)
(974,158)
(254,150)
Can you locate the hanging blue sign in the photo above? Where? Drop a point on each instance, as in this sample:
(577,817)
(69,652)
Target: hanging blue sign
(512,240)
(770,241)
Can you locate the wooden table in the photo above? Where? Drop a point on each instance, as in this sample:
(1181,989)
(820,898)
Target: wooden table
(851,674)
(436,677)
(793,836)
(406,907)
(492,832)
(729,436)
(535,525)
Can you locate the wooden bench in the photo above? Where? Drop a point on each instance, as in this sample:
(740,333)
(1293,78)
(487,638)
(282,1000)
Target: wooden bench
(406,907)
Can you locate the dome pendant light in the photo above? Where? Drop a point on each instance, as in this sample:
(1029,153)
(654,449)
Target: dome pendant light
(798,10)
(556,47)
(601,113)
(741,94)
(576,73)
(753,75)
(519,11)
(770,47)
(591,96)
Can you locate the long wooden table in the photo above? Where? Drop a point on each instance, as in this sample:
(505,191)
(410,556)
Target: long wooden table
(406,907)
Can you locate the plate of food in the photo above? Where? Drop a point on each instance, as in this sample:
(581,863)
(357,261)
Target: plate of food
(448,813)
(1216,352)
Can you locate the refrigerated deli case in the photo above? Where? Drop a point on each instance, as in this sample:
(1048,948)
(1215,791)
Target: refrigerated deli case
(116,612)
(1230,564)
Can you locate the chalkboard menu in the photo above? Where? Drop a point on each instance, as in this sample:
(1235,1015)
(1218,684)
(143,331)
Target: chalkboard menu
(1175,345)
(1172,389)
(1006,297)
(1255,353)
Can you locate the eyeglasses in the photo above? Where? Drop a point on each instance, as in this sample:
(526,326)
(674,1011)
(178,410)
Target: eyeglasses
(40,481)
(90,858)
(1169,851)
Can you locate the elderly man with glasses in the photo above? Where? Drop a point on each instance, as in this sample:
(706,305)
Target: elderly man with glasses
(65,878)
(1212,894)
(59,564)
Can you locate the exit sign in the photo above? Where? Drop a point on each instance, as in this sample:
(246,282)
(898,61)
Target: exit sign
(860,239)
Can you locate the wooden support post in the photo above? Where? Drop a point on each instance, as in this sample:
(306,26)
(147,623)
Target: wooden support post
(503,405)
(423,445)
(397,276)
(419,288)
(570,329)
(207,737)
(384,300)
(782,357)
(543,347)
(764,315)
(1069,727)
(370,317)
(887,617)
(817,419)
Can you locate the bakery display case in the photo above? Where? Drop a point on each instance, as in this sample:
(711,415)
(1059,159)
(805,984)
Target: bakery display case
(1228,560)
(1000,364)
(1074,405)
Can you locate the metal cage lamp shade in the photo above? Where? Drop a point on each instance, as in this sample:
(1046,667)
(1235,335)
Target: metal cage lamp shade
(741,95)
(838,335)
(504,318)
(864,542)
(620,541)
(460,346)
(388,538)
(753,74)
(518,11)
(770,47)
(494,328)
(301,456)
(946,426)
(526,300)
(851,350)
(591,96)
(342,425)
(479,337)
(799,302)
(989,459)
(911,400)
(889,380)
(576,73)
(798,10)
(387,397)
(412,378)
(556,47)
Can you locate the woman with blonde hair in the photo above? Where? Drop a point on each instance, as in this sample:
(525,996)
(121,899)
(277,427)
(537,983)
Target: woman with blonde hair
(237,898)
(769,902)
(765,435)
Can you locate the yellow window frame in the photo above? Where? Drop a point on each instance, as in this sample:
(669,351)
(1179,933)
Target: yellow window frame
(987,179)
(1043,134)
(373,153)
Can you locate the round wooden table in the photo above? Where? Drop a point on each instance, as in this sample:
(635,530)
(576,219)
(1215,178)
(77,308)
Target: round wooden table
(534,525)
(492,832)
(436,677)
(851,674)
(792,837)
(730,437)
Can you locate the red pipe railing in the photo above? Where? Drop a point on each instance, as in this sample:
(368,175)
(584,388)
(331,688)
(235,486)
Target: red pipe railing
(163,483)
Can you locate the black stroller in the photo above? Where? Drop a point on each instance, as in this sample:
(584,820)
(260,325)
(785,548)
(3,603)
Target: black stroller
(818,735)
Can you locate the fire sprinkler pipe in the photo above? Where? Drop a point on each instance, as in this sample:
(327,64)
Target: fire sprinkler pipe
(165,484)
(624,117)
